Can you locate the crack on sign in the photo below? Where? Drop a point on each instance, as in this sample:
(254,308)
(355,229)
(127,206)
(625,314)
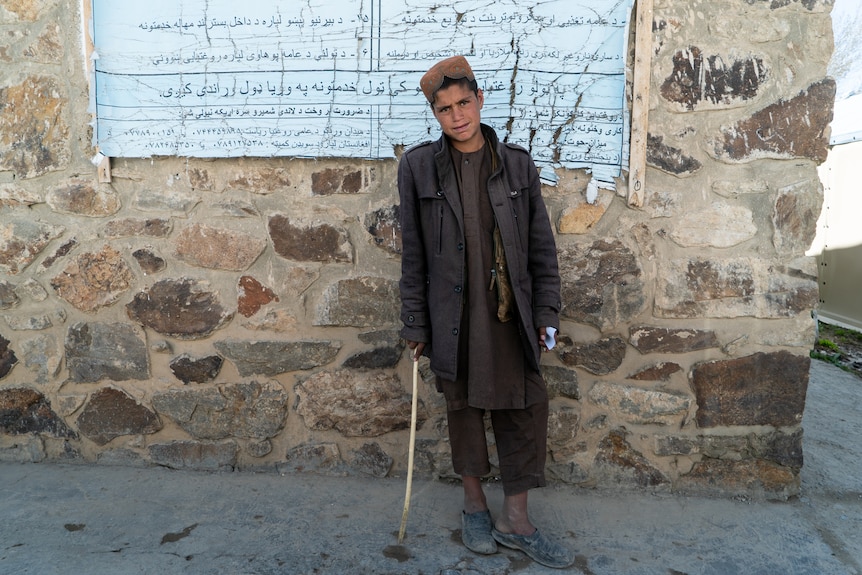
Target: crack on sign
(513,88)
(570,121)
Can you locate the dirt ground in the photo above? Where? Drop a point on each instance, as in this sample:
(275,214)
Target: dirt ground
(839,346)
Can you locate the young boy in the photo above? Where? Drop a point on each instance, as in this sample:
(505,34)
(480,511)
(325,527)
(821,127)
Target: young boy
(480,295)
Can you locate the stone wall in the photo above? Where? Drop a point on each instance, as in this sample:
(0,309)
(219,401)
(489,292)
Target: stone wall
(243,313)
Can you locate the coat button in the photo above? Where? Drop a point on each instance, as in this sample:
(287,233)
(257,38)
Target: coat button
(460,247)
(455,331)
(457,289)
(411,319)
(439,193)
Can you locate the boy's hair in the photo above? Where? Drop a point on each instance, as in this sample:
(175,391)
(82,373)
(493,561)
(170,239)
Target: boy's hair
(471,85)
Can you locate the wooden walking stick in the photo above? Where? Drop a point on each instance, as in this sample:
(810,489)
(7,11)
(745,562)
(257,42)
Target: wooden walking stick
(413,410)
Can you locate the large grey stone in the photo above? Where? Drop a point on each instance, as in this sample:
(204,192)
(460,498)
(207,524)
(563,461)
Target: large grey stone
(195,455)
(321,458)
(602,283)
(249,410)
(8,297)
(82,198)
(356,404)
(782,448)
(734,287)
(720,225)
(360,302)
(561,381)
(371,460)
(641,406)
(218,248)
(96,351)
(750,478)
(794,217)
(22,240)
(42,356)
(618,463)
(274,357)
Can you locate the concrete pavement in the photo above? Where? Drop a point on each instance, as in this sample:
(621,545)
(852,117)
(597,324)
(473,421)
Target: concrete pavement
(102,520)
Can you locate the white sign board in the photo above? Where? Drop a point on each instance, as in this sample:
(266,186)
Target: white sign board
(212,78)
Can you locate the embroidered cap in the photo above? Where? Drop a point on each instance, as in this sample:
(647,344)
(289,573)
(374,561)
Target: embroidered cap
(455,68)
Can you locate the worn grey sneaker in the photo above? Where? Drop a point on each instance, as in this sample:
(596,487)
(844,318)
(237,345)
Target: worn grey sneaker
(476,532)
(538,547)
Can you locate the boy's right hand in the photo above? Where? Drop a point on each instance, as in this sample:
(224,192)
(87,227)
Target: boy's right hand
(418,347)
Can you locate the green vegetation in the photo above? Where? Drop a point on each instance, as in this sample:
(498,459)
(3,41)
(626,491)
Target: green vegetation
(839,346)
(848,335)
(833,358)
(828,344)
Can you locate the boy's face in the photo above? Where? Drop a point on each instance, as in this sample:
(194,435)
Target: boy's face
(457,109)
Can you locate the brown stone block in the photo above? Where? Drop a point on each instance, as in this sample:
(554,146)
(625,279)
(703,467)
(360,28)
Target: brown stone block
(750,477)
(658,372)
(202,370)
(179,308)
(761,389)
(698,78)
(669,159)
(35,137)
(648,339)
(111,413)
(259,179)
(7,357)
(324,243)
(334,181)
(600,358)
(795,128)
(385,229)
(94,280)
(24,411)
(253,295)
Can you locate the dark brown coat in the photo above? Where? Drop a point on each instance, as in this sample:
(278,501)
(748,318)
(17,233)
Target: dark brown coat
(433,262)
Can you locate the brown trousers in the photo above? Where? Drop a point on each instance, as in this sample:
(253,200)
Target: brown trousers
(521,436)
